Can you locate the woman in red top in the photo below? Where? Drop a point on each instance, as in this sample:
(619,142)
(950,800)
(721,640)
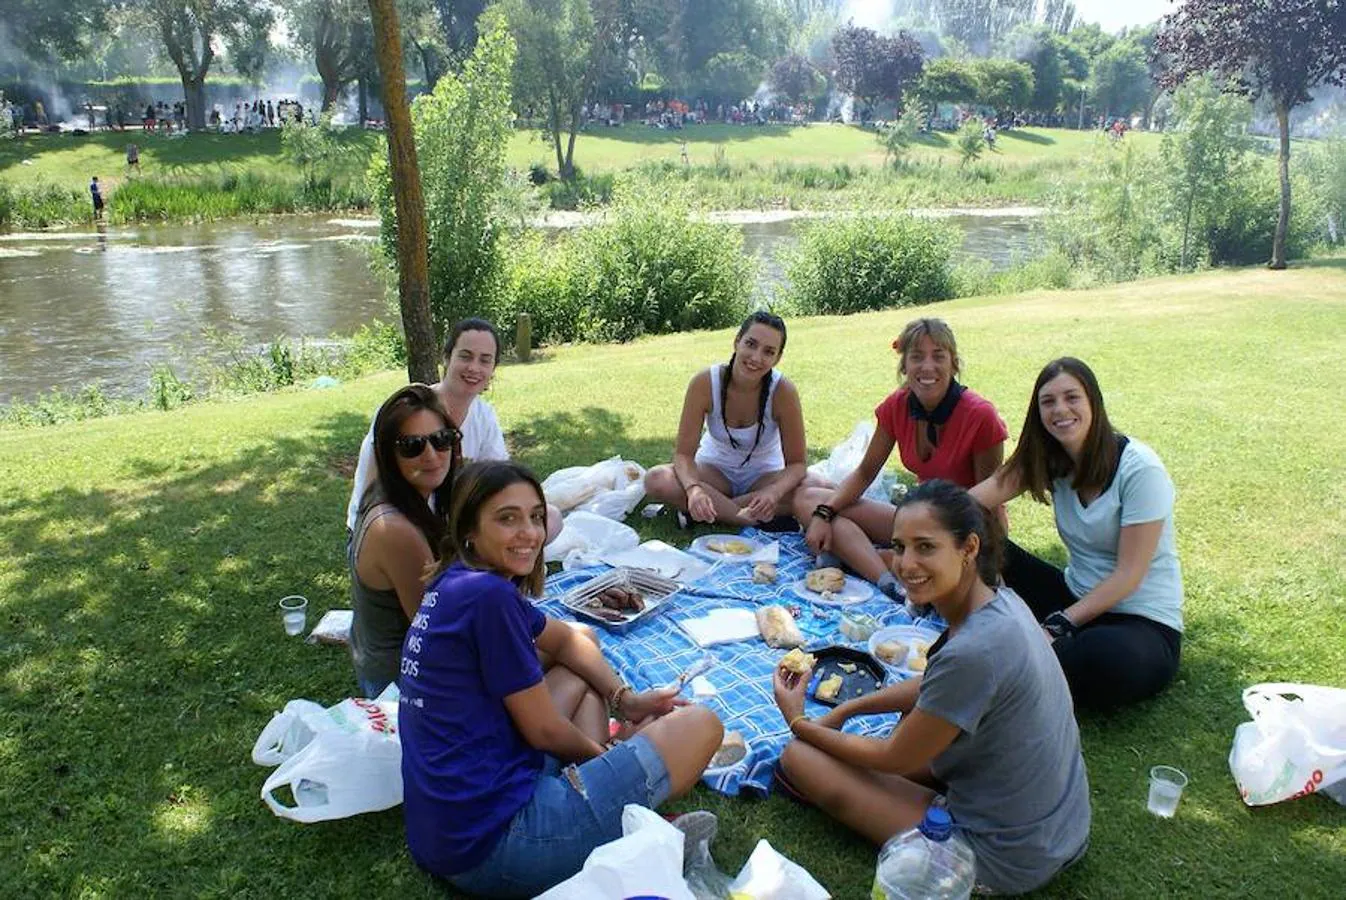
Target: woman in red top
(941,430)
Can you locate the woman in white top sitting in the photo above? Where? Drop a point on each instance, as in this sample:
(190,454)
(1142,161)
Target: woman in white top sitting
(750,458)
(471,353)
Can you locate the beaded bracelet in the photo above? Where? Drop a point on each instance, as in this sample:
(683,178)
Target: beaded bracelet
(824,512)
(615,702)
(801,717)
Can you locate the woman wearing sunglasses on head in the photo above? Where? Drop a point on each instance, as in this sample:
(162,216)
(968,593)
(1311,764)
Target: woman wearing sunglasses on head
(397,529)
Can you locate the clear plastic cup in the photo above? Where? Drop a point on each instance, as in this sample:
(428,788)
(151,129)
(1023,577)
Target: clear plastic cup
(1166,784)
(294,613)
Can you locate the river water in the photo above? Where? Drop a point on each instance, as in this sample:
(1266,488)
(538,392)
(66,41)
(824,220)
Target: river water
(105,306)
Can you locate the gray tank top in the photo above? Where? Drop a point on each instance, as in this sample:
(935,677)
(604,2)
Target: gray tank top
(379,624)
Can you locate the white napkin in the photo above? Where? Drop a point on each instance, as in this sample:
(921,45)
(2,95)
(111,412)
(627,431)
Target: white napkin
(768,554)
(702,689)
(721,626)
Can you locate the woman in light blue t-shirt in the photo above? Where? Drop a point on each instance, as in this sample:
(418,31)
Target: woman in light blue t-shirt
(1114,615)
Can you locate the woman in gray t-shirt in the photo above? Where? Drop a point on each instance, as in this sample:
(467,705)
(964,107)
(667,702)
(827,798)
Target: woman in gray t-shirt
(988,730)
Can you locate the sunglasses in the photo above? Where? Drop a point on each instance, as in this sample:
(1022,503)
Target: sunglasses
(410,446)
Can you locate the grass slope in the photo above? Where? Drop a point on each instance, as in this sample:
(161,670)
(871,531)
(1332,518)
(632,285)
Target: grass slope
(141,559)
(70,161)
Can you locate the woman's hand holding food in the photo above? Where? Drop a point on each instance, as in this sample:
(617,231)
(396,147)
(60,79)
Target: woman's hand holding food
(789,689)
(819,535)
(760,506)
(699,504)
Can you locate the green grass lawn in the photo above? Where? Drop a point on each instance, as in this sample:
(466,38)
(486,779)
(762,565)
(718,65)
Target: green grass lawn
(141,559)
(818,166)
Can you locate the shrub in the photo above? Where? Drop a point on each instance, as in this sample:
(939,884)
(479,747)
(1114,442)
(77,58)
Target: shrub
(648,268)
(971,142)
(879,262)
(580,191)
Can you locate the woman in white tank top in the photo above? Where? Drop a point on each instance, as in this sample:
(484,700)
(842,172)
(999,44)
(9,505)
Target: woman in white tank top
(746,464)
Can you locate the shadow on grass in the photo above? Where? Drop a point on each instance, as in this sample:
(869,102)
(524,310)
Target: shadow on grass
(1331,262)
(142,654)
(639,133)
(1027,137)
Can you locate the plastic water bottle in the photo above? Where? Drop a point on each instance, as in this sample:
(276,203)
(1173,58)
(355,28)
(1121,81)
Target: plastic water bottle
(928,862)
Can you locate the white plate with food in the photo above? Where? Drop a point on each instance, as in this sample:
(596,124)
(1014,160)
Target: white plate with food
(851,590)
(902,648)
(725,547)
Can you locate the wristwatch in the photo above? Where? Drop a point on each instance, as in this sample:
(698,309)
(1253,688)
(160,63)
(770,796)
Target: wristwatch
(1058,625)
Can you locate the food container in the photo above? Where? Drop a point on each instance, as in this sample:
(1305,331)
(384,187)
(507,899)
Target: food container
(654,590)
(860,673)
(858,626)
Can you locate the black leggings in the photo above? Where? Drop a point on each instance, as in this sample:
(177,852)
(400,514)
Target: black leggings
(1114,660)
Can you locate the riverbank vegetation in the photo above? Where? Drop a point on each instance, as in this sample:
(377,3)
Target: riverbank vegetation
(141,559)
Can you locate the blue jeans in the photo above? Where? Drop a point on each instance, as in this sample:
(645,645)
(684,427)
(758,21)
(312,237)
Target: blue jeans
(573,810)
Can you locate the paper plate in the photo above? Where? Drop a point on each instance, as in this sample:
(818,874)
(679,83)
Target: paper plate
(701,547)
(855,590)
(907,634)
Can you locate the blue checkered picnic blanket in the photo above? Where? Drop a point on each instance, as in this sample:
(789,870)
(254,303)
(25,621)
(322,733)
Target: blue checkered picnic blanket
(656,651)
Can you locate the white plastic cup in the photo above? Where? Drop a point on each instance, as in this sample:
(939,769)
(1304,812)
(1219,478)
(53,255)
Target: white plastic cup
(293,614)
(1166,784)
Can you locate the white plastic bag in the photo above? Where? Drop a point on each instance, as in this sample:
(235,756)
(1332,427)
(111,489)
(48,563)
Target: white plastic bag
(645,862)
(1295,744)
(769,876)
(610,488)
(337,762)
(845,458)
(586,536)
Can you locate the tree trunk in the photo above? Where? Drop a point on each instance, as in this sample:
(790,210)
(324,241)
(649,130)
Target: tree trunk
(570,144)
(554,116)
(413,281)
(1283,223)
(194,90)
(331,92)
(1187,225)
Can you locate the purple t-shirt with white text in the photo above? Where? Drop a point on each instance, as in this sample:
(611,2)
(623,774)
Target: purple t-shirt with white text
(466,769)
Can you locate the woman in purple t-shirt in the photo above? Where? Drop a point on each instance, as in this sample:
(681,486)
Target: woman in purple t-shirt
(509,777)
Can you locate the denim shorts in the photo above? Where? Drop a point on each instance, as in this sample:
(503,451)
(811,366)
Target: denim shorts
(573,810)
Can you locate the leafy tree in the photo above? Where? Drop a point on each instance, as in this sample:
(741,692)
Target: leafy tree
(560,58)
(733,76)
(1005,86)
(462,128)
(1277,49)
(948,80)
(40,28)
(1204,154)
(336,33)
(190,31)
(424,38)
(458,19)
(873,67)
(1120,82)
(796,79)
(1040,49)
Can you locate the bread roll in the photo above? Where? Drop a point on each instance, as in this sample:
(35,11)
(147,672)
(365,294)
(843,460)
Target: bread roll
(764,573)
(798,661)
(828,688)
(827,579)
(778,627)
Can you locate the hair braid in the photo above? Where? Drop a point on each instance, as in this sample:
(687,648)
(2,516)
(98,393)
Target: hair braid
(762,396)
(724,398)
